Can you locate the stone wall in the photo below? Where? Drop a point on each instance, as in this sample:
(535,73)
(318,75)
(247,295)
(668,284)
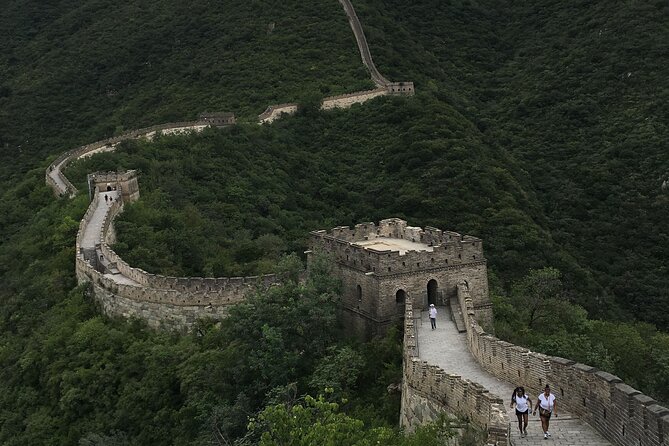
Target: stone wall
(55,169)
(86,219)
(163,301)
(60,163)
(274,112)
(347,100)
(374,282)
(384,86)
(428,390)
(156,307)
(620,413)
(361,40)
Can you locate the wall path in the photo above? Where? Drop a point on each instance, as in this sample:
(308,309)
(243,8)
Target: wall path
(471,374)
(360,38)
(447,349)
(384,86)
(619,413)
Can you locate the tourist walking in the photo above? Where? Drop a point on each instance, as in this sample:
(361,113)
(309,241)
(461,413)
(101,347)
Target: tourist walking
(433,316)
(547,406)
(523,405)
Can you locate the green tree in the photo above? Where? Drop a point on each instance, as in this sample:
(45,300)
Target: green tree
(537,296)
(338,370)
(317,421)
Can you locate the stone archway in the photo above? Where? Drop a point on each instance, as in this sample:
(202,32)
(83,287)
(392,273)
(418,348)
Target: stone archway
(400,302)
(432,292)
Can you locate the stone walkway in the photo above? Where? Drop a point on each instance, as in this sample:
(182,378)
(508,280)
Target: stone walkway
(93,232)
(94,227)
(447,348)
(62,188)
(360,38)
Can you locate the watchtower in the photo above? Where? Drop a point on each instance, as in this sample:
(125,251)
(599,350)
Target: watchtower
(125,182)
(400,88)
(379,265)
(218,119)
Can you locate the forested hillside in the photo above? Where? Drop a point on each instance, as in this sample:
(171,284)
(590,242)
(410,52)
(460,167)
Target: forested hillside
(75,72)
(577,94)
(540,127)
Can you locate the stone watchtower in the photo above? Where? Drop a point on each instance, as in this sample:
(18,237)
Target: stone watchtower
(380,265)
(125,183)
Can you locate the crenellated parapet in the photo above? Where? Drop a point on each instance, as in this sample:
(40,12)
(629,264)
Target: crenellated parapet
(62,186)
(380,264)
(428,391)
(191,290)
(174,303)
(371,248)
(622,414)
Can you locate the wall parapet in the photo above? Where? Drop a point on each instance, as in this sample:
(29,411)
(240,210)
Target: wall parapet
(447,249)
(448,392)
(180,299)
(384,86)
(59,164)
(274,112)
(363,47)
(347,100)
(620,413)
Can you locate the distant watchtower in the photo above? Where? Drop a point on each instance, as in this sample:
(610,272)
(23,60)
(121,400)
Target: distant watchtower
(400,88)
(218,119)
(380,265)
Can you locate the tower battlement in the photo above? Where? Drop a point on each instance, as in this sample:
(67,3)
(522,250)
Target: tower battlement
(380,265)
(125,182)
(393,247)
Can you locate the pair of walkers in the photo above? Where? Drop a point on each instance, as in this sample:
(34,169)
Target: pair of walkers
(545,404)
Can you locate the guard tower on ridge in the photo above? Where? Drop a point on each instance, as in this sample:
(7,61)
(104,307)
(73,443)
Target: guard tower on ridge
(379,265)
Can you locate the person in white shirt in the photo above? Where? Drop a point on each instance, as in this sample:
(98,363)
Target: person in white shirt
(523,405)
(433,316)
(547,406)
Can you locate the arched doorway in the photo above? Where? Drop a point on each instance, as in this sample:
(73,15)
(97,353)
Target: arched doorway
(432,292)
(400,300)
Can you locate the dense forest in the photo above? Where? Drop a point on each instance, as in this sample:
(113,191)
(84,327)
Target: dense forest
(539,127)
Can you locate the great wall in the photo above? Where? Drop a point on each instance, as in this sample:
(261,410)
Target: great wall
(391,271)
